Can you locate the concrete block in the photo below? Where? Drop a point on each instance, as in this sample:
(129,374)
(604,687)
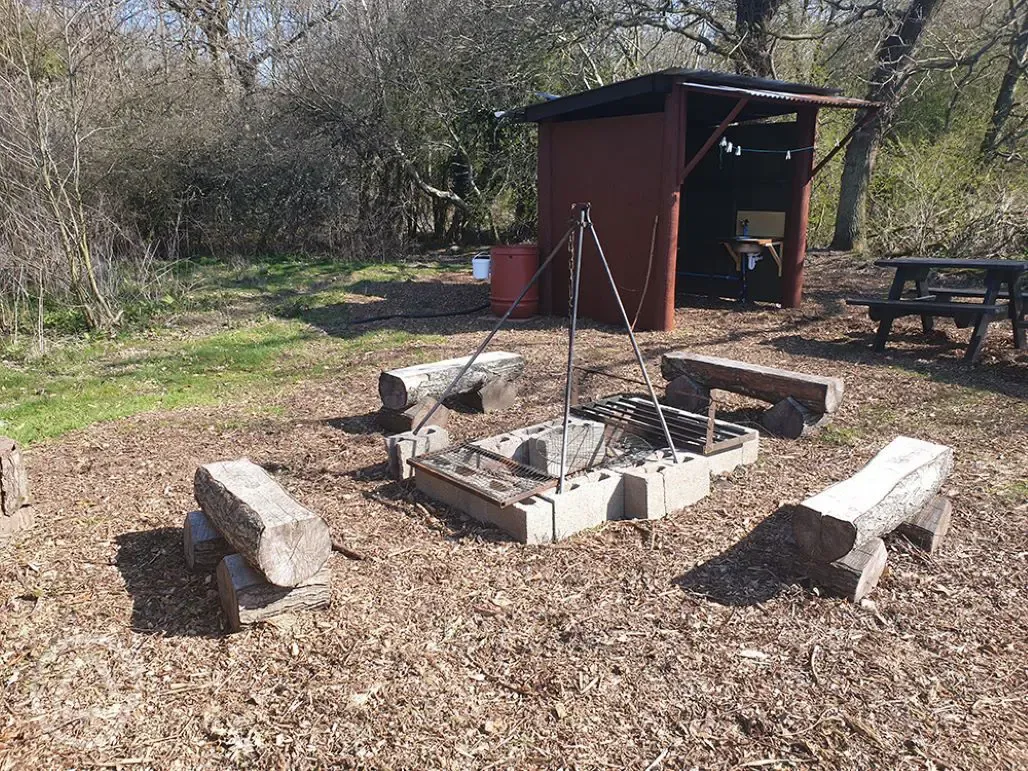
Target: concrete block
(529,521)
(655,488)
(587,501)
(510,445)
(725,462)
(586,446)
(402,447)
(751,449)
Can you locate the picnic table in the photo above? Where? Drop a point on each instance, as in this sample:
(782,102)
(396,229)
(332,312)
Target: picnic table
(1005,293)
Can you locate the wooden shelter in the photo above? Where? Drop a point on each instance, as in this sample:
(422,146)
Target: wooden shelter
(671,204)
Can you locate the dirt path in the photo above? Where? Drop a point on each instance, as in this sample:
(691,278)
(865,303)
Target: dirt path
(450,647)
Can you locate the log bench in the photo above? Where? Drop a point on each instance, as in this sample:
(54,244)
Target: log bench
(801,401)
(839,531)
(489,385)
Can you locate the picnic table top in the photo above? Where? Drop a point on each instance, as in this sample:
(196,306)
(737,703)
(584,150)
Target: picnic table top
(955,264)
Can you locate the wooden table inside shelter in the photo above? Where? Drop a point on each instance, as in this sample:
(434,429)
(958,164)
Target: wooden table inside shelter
(983,305)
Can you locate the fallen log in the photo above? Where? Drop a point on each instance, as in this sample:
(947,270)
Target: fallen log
(769,384)
(928,528)
(396,422)
(203,544)
(791,420)
(400,388)
(287,542)
(853,575)
(247,597)
(14,481)
(896,484)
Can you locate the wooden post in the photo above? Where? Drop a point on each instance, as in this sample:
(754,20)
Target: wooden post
(546,236)
(794,249)
(659,310)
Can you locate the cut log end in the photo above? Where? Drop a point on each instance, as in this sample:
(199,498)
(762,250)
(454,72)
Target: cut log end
(396,422)
(824,538)
(854,575)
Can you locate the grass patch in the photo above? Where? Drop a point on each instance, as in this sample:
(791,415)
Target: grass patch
(840,436)
(82,381)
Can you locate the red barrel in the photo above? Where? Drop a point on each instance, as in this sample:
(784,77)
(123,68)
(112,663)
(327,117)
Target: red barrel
(511,268)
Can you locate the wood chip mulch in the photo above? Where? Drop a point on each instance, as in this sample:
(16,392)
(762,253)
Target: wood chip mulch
(693,642)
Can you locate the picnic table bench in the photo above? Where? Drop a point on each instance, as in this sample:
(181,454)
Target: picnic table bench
(985,304)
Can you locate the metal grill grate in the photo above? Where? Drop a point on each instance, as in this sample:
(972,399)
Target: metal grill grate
(635,414)
(487,474)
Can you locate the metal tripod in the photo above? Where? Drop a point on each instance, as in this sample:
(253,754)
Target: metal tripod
(578,228)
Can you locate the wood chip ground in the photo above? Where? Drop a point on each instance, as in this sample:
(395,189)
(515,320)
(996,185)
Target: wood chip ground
(687,641)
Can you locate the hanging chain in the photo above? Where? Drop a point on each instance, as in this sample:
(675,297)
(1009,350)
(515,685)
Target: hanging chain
(572,240)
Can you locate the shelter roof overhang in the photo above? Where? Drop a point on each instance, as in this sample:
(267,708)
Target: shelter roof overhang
(715,95)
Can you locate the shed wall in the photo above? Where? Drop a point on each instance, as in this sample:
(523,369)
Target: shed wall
(614,164)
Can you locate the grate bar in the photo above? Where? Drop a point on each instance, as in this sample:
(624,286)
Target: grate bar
(487,474)
(688,432)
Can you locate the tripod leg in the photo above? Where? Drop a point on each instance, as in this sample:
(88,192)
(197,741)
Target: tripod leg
(500,323)
(635,344)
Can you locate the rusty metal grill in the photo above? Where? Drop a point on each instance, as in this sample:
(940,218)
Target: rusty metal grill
(635,414)
(489,475)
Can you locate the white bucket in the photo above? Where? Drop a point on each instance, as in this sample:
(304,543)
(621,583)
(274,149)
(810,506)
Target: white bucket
(480,266)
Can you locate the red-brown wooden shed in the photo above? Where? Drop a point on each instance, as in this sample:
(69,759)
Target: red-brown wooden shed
(647,154)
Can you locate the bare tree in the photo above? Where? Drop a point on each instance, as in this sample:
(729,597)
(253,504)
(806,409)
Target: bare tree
(1002,130)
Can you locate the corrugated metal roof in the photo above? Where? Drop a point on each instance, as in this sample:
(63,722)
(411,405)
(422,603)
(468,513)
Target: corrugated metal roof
(645,94)
(827,100)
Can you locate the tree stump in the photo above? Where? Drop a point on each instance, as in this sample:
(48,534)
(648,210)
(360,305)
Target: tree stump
(15,512)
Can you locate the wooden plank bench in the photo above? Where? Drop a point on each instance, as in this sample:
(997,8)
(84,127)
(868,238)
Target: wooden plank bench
(964,314)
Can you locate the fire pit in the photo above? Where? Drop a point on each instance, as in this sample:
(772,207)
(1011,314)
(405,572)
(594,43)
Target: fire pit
(617,461)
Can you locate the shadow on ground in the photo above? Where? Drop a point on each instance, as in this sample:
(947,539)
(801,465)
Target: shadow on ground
(932,359)
(750,572)
(166,598)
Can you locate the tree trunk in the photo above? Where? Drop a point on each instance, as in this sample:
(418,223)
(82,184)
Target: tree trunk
(894,61)
(1004,105)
